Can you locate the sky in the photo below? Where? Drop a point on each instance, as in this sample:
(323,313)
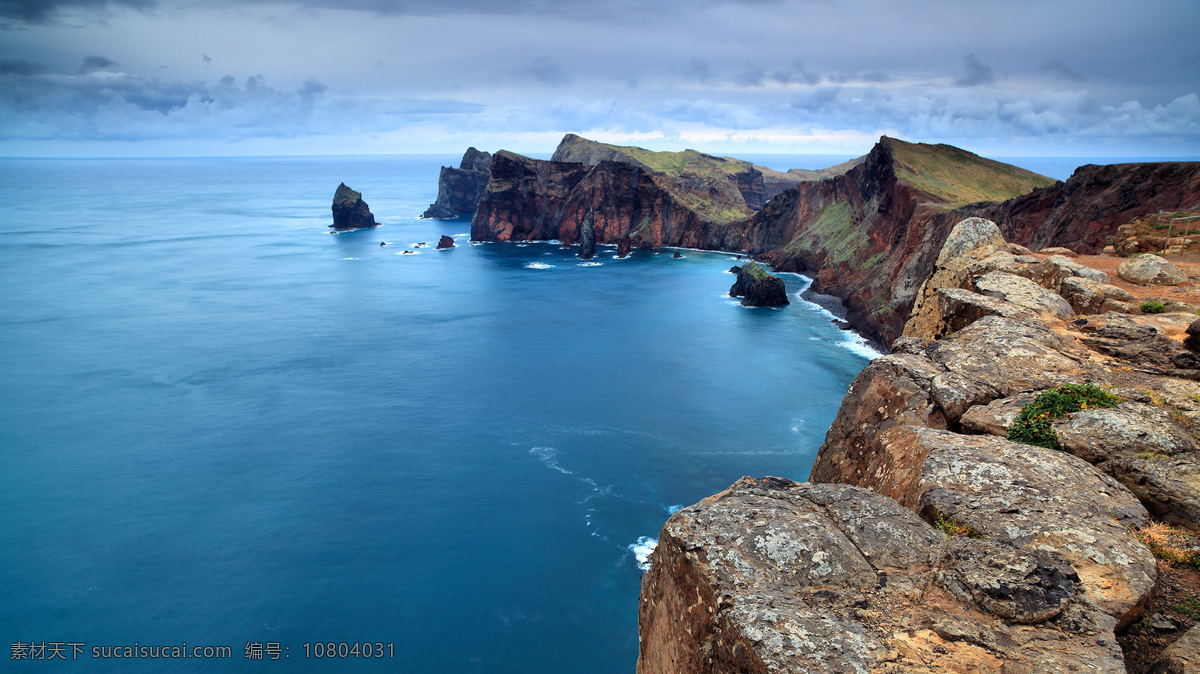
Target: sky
(341,77)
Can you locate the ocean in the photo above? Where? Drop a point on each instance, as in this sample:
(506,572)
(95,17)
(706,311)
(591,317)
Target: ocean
(223,426)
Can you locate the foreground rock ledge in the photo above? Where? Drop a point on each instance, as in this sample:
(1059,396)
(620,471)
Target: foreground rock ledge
(777,576)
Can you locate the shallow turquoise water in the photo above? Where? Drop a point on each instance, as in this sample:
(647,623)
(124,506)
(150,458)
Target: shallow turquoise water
(221,424)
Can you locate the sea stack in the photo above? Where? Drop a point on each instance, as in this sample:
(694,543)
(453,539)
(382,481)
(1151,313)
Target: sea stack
(623,247)
(350,211)
(587,238)
(445,242)
(757,288)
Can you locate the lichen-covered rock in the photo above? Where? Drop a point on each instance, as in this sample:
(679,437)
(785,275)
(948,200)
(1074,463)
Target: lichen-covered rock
(1169,487)
(958,308)
(1181,657)
(1100,434)
(1150,270)
(971,240)
(350,211)
(995,417)
(1089,297)
(1030,497)
(1023,292)
(758,288)
(1133,339)
(1052,271)
(1058,250)
(775,576)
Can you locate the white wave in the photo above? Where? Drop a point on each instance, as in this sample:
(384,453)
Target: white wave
(547,454)
(589,264)
(858,345)
(671,510)
(538,265)
(459,236)
(641,551)
(522,245)
(420,244)
(347,258)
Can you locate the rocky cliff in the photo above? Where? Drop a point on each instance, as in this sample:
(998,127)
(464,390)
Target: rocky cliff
(459,188)
(869,236)
(929,541)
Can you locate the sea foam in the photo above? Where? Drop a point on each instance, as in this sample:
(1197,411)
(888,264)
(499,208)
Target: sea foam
(641,551)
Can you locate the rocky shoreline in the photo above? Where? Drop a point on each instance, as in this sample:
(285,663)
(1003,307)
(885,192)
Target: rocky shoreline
(926,541)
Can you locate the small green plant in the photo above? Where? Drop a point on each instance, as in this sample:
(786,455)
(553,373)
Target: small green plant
(1152,456)
(1032,425)
(1152,307)
(1190,607)
(952,527)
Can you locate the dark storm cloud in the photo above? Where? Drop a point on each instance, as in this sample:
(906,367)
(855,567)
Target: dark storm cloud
(20,67)
(103,105)
(977,73)
(545,71)
(39,11)
(93,63)
(1063,71)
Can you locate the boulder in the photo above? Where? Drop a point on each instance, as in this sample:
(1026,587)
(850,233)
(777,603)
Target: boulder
(1192,341)
(1169,487)
(1052,271)
(350,211)
(958,308)
(445,242)
(1089,297)
(758,288)
(1058,250)
(777,576)
(1147,270)
(1023,292)
(995,417)
(1123,336)
(1101,434)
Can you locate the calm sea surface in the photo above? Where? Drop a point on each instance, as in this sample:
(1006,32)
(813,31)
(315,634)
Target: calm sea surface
(221,424)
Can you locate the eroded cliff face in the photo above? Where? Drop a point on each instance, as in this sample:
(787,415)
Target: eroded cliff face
(869,236)
(847,573)
(459,188)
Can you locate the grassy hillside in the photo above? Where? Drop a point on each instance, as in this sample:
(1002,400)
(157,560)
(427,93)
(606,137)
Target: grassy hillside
(956,177)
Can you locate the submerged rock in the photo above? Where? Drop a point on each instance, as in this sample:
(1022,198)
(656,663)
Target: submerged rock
(350,211)
(757,288)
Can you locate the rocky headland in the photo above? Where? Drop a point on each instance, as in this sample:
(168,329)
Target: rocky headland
(927,540)
(459,188)
(350,211)
(869,234)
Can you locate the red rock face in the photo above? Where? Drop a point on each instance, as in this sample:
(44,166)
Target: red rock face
(865,236)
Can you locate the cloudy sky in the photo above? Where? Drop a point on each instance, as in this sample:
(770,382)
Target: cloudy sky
(213,77)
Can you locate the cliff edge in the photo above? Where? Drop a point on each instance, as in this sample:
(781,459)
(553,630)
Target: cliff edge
(929,538)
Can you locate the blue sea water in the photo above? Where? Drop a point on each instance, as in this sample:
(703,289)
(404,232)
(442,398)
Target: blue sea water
(221,424)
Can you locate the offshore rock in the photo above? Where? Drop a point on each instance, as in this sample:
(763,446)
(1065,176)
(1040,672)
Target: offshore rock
(775,576)
(445,242)
(623,247)
(587,239)
(459,188)
(1149,269)
(350,211)
(758,288)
